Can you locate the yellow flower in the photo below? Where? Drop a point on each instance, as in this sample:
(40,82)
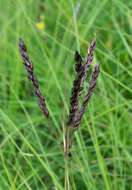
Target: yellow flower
(40,25)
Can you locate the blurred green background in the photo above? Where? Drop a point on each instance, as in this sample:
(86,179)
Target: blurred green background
(31,151)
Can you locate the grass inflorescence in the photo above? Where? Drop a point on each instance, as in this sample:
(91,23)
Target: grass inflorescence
(31,156)
(76,111)
(31,76)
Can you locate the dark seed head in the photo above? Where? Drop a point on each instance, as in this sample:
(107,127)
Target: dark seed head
(31,76)
(77,57)
(22,45)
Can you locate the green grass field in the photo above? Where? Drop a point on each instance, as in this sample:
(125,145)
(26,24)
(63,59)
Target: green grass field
(31,147)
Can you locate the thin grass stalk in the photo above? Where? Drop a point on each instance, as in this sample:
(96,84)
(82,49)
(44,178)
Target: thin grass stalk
(67,179)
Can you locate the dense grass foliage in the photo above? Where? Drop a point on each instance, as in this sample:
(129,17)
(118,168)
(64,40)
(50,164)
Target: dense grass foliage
(31,150)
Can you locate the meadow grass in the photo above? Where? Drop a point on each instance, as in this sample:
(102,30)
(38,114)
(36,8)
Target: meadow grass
(31,150)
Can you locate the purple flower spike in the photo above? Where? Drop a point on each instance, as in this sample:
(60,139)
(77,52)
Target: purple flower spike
(31,76)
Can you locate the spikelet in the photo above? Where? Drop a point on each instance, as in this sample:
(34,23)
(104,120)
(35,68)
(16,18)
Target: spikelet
(76,113)
(31,76)
(81,75)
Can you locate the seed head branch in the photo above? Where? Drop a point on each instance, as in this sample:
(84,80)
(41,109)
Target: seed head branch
(76,112)
(81,75)
(89,58)
(31,76)
(76,88)
(92,85)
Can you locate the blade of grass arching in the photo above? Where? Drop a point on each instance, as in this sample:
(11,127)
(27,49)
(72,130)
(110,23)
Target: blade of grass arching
(114,132)
(63,7)
(115,152)
(14,185)
(62,51)
(124,121)
(72,33)
(111,109)
(25,184)
(7,172)
(47,168)
(75,23)
(29,163)
(128,158)
(6,137)
(113,135)
(60,58)
(3,181)
(85,175)
(13,67)
(125,9)
(86,10)
(117,127)
(117,163)
(117,81)
(122,37)
(56,31)
(64,60)
(124,160)
(3,74)
(30,121)
(15,70)
(95,12)
(9,137)
(114,60)
(84,163)
(101,162)
(49,135)
(58,42)
(8,23)
(94,137)
(111,31)
(10,150)
(24,179)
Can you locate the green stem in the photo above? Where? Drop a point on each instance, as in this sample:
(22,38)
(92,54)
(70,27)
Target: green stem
(68,140)
(67,182)
(66,156)
(67,145)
